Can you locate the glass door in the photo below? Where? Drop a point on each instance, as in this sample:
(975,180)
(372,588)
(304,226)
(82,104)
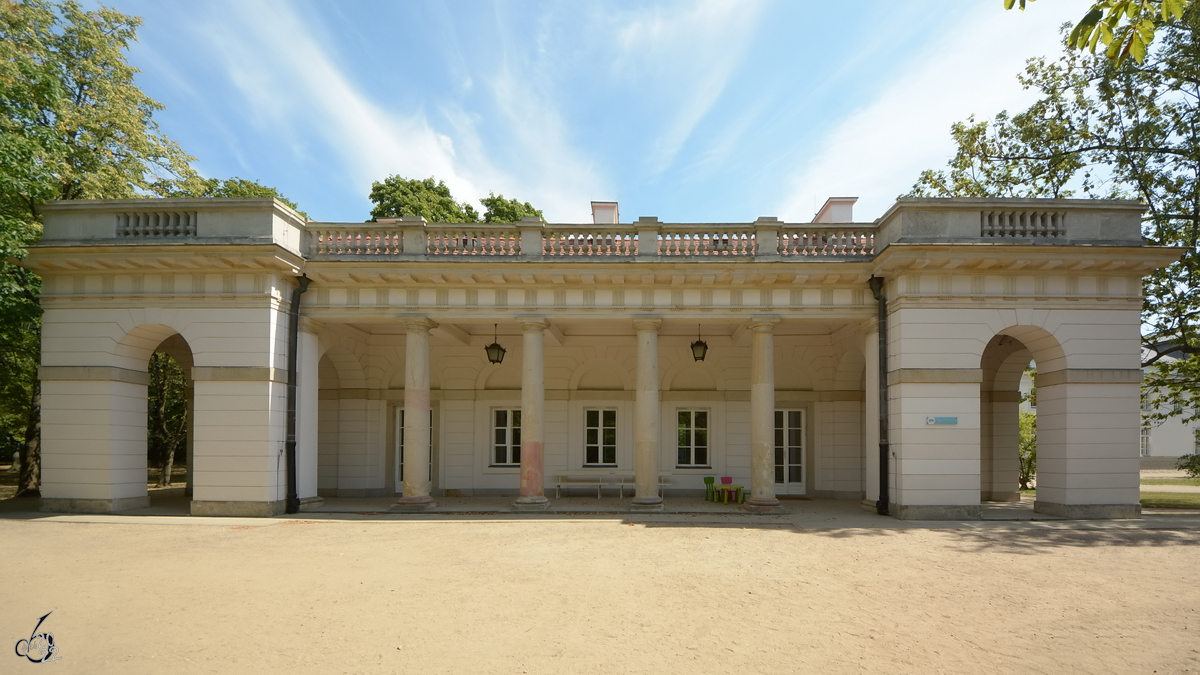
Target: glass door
(789,452)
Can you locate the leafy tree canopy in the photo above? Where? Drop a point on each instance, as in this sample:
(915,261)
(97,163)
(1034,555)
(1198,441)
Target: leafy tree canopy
(397,197)
(1110,130)
(1125,27)
(230,188)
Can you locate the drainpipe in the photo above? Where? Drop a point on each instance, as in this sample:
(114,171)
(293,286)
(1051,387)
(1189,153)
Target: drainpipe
(881,506)
(293,490)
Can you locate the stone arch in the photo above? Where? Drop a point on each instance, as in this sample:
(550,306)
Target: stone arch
(613,371)
(134,348)
(350,371)
(851,371)
(690,375)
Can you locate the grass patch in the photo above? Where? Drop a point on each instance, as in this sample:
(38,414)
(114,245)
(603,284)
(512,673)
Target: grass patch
(1171,481)
(1170,500)
(1029,491)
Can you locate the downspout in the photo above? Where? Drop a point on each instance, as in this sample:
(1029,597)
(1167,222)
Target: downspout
(881,506)
(293,490)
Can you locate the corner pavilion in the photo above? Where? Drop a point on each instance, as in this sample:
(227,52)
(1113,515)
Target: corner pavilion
(395,395)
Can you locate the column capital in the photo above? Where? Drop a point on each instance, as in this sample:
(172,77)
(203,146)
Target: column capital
(762,324)
(415,323)
(533,324)
(647,323)
(311,325)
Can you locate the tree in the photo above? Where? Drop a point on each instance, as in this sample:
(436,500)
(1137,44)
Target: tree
(501,210)
(1125,27)
(73,125)
(167,406)
(1111,130)
(1027,448)
(227,189)
(397,197)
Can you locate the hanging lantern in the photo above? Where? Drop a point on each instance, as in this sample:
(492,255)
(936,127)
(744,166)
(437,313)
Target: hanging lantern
(495,352)
(699,347)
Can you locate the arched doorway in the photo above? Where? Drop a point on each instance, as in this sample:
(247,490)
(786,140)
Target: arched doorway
(170,414)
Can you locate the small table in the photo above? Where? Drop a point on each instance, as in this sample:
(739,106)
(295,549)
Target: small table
(725,490)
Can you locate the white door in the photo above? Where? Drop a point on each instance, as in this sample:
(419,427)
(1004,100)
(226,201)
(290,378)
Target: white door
(789,452)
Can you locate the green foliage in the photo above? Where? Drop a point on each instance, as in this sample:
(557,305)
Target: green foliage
(1125,27)
(501,210)
(167,407)
(230,188)
(1105,129)
(73,125)
(397,197)
(1189,464)
(1027,448)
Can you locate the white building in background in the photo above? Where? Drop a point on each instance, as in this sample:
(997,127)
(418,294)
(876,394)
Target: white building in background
(395,394)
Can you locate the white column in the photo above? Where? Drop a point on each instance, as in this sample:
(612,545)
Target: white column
(762,413)
(871,418)
(416,412)
(307,360)
(533,412)
(645,415)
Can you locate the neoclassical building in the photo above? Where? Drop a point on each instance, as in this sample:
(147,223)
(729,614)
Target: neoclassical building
(382,384)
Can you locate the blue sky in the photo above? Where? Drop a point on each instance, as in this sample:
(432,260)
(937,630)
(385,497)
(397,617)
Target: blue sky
(699,111)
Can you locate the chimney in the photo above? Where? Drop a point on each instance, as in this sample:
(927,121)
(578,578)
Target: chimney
(605,213)
(836,210)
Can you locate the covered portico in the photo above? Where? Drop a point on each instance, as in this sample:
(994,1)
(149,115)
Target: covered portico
(396,396)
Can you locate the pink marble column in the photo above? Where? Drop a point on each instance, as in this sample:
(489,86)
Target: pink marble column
(533,413)
(762,413)
(416,413)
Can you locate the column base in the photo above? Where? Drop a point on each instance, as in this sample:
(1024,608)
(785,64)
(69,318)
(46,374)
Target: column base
(415,504)
(59,505)
(239,509)
(646,504)
(532,503)
(1089,511)
(763,506)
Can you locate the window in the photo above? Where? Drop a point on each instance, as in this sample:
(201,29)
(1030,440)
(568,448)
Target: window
(789,446)
(693,438)
(506,437)
(1145,441)
(599,437)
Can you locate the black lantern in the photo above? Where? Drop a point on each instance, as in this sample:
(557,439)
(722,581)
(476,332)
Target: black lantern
(699,347)
(496,353)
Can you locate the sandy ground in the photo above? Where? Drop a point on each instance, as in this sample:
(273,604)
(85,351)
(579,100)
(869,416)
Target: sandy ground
(692,594)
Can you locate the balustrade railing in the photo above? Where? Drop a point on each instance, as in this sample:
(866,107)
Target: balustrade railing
(1023,224)
(592,241)
(818,241)
(157,224)
(701,240)
(589,241)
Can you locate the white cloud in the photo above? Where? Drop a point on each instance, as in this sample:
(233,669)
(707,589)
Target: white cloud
(695,49)
(296,89)
(878,151)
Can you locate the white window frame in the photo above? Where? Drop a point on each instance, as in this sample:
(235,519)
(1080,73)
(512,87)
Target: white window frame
(1144,441)
(600,445)
(512,438)
(691,446)
(803,447)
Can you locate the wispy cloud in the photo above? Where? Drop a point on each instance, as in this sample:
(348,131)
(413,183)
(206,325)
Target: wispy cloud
(692,49)
(877,152)
(297,89)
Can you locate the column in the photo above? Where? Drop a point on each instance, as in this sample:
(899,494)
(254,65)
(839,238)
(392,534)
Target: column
(762,414)
(871,419)
(416,413)
(645,414)
(533,412)
(307,364)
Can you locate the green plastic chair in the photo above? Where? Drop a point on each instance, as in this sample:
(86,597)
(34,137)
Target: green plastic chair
(710,493)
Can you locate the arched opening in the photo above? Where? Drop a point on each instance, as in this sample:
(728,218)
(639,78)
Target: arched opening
(1009,446)
(170,415)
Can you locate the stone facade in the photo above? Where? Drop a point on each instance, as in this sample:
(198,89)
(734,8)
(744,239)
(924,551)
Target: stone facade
(598,322)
